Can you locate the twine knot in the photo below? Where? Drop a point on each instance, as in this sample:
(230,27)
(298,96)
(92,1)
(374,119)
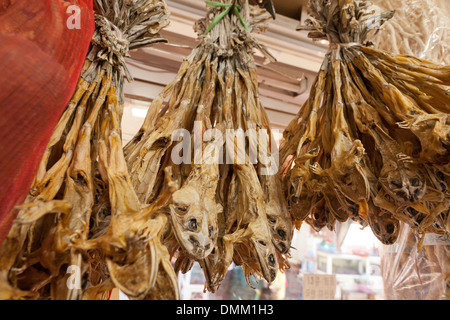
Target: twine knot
(113,44)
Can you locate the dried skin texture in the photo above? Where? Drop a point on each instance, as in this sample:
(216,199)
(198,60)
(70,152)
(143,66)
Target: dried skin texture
(383,224)
(280,221)
(372,141)
(252,228)
(222,211)
(246,235)
(194,210)
(82,191)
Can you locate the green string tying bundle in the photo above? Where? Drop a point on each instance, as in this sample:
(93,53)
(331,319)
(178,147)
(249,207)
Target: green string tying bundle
(236,8)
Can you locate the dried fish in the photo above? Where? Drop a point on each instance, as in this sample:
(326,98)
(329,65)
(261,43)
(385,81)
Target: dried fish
(225,209)
(372,141)
(194,210)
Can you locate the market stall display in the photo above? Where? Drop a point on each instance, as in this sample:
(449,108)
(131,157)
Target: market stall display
(372,141)
(203,182)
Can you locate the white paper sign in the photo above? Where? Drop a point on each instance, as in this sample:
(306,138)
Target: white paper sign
(319,286)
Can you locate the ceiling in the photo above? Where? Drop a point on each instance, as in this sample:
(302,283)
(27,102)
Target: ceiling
(290,8)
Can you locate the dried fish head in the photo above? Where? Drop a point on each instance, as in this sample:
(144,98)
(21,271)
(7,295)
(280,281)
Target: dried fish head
(403,181)
(319,216)
(266,256)
(294,188)
(252,210)
(192,223)
(298,174)
(282,233)
(337,205)
(428,218)
(383,224)
(278,217)
(140,261)
(346,171)
(214,268)
(352,209)
(85,166)
(443,220)
(304,205)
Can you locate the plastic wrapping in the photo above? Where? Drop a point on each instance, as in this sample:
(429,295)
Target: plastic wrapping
(412,275)
(419,27)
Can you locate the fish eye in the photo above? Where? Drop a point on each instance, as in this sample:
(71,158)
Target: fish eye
(262,242)
(390,228)
(281,233)
(182,208)
(397,183)
(401,194)
(414,182)
(271,260)
(192,224)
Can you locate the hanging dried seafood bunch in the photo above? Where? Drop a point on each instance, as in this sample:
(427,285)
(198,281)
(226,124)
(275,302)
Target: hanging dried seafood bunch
(372,141)
(82,186)
(227,208)
(405,271)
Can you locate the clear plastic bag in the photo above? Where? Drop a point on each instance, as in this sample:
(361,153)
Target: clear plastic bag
(412,275)
(419,27)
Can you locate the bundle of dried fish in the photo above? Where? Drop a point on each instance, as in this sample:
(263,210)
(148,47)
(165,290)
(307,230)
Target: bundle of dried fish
(226,207)
(372,141)
(83,185)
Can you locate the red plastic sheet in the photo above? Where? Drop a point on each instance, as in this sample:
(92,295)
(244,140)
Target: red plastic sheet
(43,44)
